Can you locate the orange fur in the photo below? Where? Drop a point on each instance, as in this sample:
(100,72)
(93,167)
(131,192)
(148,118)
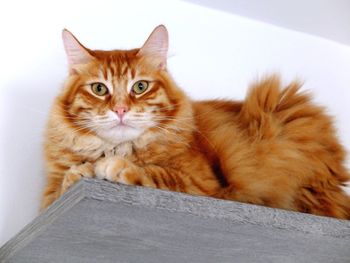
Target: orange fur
(275,148)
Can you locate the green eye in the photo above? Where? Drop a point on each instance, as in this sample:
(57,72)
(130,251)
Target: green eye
(140,87)
(99,89)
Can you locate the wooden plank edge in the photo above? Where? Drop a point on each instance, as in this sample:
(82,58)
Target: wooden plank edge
(44,219)
(232,211)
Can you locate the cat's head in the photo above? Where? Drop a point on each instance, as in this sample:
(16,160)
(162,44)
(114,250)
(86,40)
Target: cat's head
(119,95)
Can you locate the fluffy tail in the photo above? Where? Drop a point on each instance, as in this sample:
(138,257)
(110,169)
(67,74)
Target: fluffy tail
(267,99)
(271,113)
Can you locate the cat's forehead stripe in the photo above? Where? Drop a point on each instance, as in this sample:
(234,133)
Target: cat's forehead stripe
(115,65)
(117,69)
(125,70)
(133,73)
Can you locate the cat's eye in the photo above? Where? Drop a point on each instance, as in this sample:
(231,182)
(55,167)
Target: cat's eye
(99,89)
(140,87)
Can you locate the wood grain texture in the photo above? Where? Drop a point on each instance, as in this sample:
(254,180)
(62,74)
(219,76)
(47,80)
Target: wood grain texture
(97,221)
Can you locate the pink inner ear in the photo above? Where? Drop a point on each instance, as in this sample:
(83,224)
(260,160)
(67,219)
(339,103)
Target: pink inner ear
(157,45)
(76,52)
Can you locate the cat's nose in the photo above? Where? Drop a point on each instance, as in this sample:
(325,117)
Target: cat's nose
(121,110)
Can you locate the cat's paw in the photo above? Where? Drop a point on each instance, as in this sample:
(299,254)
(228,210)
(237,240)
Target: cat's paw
(116,169)
(75,173)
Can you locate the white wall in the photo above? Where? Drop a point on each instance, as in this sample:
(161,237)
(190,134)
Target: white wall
(325,18)
(213,54)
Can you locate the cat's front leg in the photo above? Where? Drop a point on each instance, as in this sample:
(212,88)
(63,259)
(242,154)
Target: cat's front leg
(121,170)
(75,173)
(174,178)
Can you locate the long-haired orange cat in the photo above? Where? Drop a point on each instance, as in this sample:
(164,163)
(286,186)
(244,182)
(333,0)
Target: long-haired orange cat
(121,117)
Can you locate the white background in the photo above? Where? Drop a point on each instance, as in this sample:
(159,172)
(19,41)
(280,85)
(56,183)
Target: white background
(212,54)
(325,18)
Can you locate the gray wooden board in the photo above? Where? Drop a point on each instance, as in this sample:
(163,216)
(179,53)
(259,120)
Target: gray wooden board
(97,221)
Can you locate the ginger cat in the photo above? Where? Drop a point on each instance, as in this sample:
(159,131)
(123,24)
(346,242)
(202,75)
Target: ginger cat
(121,117)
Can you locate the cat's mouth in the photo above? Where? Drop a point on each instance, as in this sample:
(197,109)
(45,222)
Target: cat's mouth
(123,125)
(119,132)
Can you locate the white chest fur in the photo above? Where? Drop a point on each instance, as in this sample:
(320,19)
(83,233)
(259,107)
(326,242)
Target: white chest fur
(123,150)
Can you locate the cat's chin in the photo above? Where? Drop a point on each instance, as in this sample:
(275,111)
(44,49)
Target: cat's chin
(120,134)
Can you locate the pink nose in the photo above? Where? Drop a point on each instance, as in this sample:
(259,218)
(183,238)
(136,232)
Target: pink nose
(121,110)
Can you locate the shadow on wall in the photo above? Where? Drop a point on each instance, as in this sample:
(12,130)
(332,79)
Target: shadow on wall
(26,104)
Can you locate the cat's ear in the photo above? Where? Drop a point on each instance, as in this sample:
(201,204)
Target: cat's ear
(156,46)
(76,53)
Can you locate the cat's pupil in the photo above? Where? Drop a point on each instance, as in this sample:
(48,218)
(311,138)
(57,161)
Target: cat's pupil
(99,88)
(141,86)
